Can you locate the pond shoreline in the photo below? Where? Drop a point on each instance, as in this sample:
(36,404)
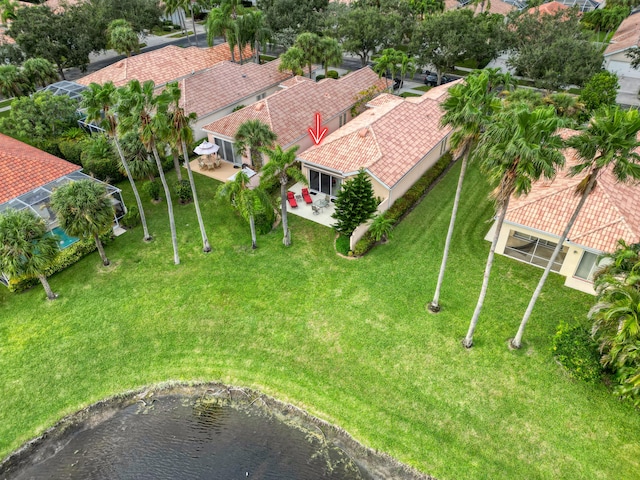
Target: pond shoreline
(375,464)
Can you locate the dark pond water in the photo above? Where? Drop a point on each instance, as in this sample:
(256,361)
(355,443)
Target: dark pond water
(180,438)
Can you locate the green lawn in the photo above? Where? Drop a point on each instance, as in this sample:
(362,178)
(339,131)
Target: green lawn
(347,340)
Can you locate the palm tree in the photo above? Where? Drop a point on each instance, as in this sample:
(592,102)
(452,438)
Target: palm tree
(381,228)
(182,134)
(386,62)
(12,82)
(179,6)
(84,210)
(219,24)
(100,102)
(407,66)
(254,135)
(329,52)
(39,72)
(140,109)
(609,141)
(518,147)
(246,200)
(624,261)
(122,38)
(258,31)
(309,43)
(292,59)
(468,109)
(25,248)
(141,165)
(280,167)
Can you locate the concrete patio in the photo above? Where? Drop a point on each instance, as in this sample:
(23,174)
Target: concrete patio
(304,210)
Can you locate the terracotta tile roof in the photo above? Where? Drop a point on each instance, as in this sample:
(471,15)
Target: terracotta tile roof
(4,38)
(291,111)
(162,65)
(549,8)
(611,212)
(627,35)
(227,83)
(294,81)
(497,6)
(24,168)
(387,140)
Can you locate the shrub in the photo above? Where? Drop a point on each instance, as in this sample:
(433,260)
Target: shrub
(576,351)
(403,205)
(237,107)
(105,169)
(183,191)
(264,222)
(320,77)
(71,150)
(332,74)
(131,218)
(343,244)
(152,188)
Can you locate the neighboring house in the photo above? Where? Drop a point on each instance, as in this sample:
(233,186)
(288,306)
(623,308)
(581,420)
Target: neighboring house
(535,222)
(549,8)
(395,141)
(626,37)
(163,65)
(493,6)
(29,176)
(291,111)
(213,93)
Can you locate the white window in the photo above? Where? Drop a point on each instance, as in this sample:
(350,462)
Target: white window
(587,266)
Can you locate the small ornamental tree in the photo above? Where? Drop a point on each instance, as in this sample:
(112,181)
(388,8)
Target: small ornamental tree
(355,204)
(600,90)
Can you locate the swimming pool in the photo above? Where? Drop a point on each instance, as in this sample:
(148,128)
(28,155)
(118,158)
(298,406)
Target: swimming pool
(64,240)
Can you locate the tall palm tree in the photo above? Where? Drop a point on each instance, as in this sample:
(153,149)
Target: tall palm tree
(468,109)
(518,147)
(258,32)
(25,249)
(100,102)
(609,141)
(141,109)
(84,210)
(292,59)
(181,135)
(219,24)
(254,135)
(179,7)
(280,167)
(329,52)
(309,43)
(246,200)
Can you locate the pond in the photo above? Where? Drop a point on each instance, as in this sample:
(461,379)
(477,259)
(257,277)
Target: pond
(177,436)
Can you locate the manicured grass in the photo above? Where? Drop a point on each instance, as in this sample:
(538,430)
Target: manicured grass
(409,94)
(348,340)
(423,88)
(181,34)
(6,103)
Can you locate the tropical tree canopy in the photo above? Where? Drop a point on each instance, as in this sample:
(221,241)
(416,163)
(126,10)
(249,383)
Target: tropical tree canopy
(25,248)
(254,135)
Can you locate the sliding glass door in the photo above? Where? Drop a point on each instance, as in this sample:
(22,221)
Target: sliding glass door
(324,183)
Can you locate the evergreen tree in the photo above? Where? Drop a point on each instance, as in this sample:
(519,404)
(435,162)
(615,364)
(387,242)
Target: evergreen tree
(355,204)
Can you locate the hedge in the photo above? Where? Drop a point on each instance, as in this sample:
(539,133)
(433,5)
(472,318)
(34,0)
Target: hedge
(405,204)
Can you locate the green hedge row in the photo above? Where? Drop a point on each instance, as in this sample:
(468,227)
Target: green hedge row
(405,203)
(65,258)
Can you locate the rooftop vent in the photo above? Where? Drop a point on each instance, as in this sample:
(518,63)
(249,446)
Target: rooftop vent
(363,132)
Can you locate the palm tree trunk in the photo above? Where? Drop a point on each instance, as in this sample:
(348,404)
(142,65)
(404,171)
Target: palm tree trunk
(47,287)
(252,225)
(257,50)
(283,207)
(309,70)
(206,248)
(125,164)
(100,247)
(183,17)
(468,340)
(434,306)
(517,341)
(167,193)
(176,163)
(193,22)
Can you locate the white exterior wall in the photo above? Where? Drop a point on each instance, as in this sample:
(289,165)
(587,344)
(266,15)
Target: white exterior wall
(620,64)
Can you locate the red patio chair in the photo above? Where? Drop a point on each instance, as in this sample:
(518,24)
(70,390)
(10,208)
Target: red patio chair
(306,196)
(292,200)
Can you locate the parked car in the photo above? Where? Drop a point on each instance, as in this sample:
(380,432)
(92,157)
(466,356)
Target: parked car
(397,83)
(431,78)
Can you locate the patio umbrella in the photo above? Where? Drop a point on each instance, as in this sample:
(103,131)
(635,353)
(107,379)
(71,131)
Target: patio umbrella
(206,148)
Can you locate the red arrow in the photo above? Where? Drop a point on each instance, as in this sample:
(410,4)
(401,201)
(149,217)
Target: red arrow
(318,135)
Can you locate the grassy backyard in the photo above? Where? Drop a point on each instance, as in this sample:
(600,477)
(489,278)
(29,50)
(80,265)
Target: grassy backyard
(348,340)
